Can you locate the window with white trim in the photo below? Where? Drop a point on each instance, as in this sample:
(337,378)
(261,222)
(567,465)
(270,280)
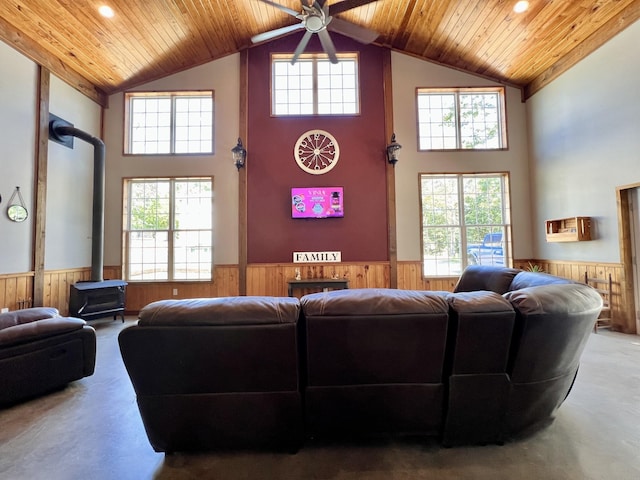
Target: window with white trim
(466,220)
(461,118)
(167,123)
(168,229)
(314,85)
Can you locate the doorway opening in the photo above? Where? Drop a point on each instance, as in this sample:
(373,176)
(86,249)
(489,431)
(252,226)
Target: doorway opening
(628,200)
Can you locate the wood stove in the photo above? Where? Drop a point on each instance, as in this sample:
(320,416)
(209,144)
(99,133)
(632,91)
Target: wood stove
(96,298)
(92,300)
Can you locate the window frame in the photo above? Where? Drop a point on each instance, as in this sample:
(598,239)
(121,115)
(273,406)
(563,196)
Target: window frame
(457,91)
(506,225)
(170,231)
(173,95)
(314,58)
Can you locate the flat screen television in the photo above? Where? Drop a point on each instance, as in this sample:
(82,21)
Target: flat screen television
(317,202)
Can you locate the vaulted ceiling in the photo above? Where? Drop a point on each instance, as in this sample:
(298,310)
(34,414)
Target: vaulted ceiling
(149,39)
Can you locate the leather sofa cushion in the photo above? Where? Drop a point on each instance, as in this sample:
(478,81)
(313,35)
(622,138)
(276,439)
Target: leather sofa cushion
(375,336)
(485,277)
(373,301)
(37,329)
(534,279)
(553,323)
(18,317)
(481,301)
(482,324)
(555,299)
(249,310)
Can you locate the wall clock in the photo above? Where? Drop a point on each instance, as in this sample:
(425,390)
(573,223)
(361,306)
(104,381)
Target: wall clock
(316,152)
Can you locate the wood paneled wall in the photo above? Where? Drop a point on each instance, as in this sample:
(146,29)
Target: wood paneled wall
(271,279)
(623,317)
(225,284)
(16,290)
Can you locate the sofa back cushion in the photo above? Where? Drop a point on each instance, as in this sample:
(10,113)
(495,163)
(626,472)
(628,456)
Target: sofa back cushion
(553,323)
(39,329)
(533,279)
(480,330)
(27,315)
(247,310)
(485,277)
(375,336)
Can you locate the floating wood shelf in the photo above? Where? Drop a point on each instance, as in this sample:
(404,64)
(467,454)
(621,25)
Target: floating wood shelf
(571,229)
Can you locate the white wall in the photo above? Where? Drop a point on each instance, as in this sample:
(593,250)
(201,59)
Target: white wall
(223,77)
(410,73)
(584,133)
(69,175)
(70,182)
(18,87)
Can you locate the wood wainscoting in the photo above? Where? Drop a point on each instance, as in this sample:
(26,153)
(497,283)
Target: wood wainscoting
(271,279)
(622,310)
(225,284)
(16,290)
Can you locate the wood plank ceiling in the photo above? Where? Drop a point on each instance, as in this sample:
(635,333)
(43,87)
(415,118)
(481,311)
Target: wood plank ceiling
(149,39)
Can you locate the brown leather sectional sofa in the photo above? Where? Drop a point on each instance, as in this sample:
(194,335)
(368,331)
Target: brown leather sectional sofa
(41,351)
(491,361)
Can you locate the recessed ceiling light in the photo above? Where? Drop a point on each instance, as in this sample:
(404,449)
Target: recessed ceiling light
(521,6)
(106,11)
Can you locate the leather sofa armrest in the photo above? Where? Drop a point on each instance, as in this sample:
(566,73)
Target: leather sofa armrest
(37,329)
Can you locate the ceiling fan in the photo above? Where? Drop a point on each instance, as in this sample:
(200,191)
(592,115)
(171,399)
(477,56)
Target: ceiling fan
(318,17)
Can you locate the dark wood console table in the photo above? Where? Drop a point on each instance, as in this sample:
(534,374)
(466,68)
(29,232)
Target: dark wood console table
(324,283)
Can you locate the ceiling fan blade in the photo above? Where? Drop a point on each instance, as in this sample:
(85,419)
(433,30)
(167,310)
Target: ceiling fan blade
(282,7)
(347,5)
(301,46)
(327,45)
(361,34)
(261,37)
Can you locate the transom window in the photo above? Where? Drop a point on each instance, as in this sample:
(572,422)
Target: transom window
(168,233)
(314,85)
(461,118)
(168,123)
(466,220)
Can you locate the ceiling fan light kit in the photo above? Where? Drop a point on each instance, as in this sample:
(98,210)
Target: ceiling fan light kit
(317,17)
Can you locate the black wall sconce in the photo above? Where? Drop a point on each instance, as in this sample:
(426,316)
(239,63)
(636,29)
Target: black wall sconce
(239,155)
(392,150)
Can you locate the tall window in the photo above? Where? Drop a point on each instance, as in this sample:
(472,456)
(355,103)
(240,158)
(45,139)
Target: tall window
(168,123)
(314,85)
(168,229)
(466,220)
(461,119)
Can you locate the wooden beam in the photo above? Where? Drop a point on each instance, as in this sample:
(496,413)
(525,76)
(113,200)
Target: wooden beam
(390,172)
(242,174)
(614,26)
(40,209)
(627,301)
(37,54)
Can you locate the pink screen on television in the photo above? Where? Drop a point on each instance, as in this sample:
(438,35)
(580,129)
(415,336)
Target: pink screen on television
(317,202)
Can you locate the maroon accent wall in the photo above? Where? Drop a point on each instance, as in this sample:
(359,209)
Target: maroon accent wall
(272,235)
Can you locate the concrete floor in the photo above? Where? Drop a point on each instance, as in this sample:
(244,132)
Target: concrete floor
(92,430)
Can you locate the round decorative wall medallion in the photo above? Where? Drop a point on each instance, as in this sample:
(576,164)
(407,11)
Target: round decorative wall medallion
(316,152)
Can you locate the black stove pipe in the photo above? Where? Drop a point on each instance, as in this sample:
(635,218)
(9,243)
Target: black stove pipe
(62,129)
